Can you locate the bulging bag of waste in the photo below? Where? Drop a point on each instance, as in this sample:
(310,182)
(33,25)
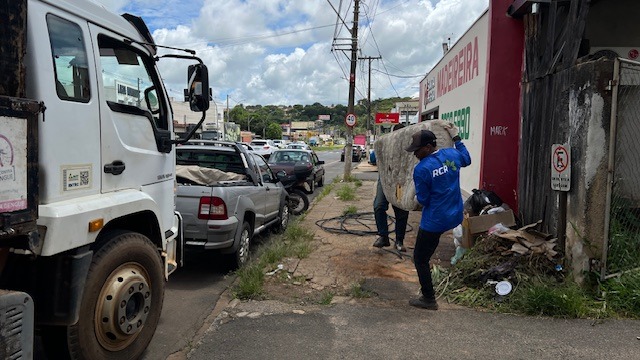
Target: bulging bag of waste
(395,164)
(479,200)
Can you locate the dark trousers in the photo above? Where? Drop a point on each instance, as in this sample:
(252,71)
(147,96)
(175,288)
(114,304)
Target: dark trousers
(380,207)
(426,244)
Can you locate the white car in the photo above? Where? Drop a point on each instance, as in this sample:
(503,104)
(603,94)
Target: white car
(263,147)
(280,144)
(299,146)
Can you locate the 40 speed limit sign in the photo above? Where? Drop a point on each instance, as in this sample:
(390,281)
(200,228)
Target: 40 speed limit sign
(350,120)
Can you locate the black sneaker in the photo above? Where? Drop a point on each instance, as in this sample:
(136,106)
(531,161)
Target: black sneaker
(400,247)
(382,242)
(421,302)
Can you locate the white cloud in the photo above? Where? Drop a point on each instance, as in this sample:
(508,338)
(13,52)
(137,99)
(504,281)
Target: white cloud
(279,51)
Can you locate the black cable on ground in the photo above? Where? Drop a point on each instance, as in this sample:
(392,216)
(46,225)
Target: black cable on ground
(360,224)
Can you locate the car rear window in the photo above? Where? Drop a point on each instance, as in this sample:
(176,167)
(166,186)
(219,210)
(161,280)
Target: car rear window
(230,162)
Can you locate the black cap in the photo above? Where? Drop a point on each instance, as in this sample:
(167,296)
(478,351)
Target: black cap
(422,139)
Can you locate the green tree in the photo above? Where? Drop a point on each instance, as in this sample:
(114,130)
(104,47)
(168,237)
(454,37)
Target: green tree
(274,131)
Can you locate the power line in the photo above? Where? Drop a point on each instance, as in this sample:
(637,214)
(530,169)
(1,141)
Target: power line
(399,76)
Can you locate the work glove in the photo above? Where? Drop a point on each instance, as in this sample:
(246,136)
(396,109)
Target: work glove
(452,130)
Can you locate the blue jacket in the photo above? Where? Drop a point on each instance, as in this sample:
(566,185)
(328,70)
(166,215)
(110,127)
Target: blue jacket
(437,181)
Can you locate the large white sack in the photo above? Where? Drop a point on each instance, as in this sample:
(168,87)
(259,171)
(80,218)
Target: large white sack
(395,164)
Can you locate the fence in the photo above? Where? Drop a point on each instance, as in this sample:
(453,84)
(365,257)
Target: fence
(622,220)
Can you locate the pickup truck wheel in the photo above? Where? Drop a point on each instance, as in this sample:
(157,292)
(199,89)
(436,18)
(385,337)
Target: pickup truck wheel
(284,219)
(122,302)
(241,256)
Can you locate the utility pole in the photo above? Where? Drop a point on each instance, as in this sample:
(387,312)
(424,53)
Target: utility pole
(369,94)
(348,151)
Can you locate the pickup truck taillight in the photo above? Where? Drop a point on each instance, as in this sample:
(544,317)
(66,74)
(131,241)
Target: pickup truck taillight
(212,208)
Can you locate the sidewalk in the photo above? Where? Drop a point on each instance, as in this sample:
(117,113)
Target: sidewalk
(384,326)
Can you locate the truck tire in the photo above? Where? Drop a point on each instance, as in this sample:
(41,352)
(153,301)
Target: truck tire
(241,255)
(342,158)
(122,301)
(283,215)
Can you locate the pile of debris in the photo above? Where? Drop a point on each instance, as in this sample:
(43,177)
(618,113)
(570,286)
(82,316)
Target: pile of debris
(504,254)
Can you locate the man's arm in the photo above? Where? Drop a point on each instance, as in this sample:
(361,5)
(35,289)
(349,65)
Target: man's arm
(465,158)
(422,181)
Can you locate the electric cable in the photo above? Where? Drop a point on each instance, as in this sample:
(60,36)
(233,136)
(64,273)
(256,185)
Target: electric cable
(360,224)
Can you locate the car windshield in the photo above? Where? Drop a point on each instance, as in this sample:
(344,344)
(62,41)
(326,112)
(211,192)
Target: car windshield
(288,157)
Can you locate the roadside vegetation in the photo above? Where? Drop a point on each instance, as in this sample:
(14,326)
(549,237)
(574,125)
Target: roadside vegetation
(539,288)
(294,243)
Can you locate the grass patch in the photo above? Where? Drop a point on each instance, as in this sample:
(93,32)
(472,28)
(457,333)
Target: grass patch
(346,192)
(352,179)
(358,292)
(296,242)
(326,298)
(622,295)
(326,190)
(350,210)
(250,281)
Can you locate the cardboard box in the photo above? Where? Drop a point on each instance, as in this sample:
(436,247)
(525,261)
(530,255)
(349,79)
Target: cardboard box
(472,226)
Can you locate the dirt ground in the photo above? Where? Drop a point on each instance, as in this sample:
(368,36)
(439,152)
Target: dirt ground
(341,261)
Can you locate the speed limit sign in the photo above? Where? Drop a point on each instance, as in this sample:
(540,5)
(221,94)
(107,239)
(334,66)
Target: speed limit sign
(350,120)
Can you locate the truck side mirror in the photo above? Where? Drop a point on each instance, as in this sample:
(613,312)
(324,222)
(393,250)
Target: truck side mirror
(198,85)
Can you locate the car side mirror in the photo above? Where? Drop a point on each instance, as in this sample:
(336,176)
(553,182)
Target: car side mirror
(321,162)
(281,174)
(198,85)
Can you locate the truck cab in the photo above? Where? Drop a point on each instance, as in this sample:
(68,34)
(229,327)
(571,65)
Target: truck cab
(107,232)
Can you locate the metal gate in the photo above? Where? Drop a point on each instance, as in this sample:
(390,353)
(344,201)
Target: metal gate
(621,250)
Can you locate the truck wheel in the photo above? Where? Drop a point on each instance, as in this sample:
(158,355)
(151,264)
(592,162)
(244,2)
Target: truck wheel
(341,158)
(122,300)
(284,214)
(241,256)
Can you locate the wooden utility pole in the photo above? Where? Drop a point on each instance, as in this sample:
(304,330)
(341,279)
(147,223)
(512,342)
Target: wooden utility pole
(369,94)
(348,151)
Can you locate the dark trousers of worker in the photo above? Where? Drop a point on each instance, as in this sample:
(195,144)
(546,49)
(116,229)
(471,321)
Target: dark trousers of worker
(380,207)
(426,244)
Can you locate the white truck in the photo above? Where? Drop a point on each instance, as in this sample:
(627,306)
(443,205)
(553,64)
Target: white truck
(88,227)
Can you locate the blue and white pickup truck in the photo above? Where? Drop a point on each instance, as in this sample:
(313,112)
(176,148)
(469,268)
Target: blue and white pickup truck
(225,196)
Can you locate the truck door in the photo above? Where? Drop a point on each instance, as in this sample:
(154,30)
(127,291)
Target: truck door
(134,115)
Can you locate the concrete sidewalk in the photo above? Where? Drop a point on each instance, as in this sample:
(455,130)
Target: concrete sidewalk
(384,326)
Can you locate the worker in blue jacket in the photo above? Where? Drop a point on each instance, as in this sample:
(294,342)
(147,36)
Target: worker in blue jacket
(437,182)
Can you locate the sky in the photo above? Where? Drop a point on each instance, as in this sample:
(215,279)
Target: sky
(288,52)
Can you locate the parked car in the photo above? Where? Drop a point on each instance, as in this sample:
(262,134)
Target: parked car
(355,151)
(263,147)
(227,195)
(363,151)
(280,144)
(303,163)
(299,146)
(246,146)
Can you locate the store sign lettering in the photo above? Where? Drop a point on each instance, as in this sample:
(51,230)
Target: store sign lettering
(461,119)
(462,68)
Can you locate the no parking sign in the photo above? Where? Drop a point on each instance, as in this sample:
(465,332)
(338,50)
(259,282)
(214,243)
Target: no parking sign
(560,167)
